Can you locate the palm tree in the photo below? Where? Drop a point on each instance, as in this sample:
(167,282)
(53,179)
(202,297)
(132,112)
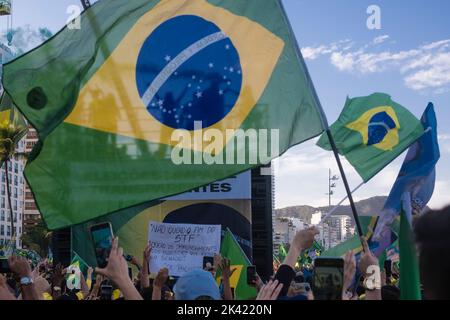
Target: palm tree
(12,129)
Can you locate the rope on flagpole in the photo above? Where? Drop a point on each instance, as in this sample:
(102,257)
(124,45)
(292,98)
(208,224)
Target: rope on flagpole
(329,213)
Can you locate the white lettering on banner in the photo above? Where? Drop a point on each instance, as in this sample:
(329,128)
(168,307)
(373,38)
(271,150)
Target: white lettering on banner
(237,187)
(181,247)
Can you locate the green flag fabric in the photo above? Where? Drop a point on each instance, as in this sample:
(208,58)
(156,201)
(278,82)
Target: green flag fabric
(121,105)
(78,262)
(409,262)
(371,132)
(367,224)
(282,253)
(231,249)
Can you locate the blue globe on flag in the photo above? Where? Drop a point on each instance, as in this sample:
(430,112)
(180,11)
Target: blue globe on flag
(188,70)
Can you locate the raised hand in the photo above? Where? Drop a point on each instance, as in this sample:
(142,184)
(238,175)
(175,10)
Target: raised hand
(147,252)
(349,269)
(270,291)
(304,239)
(19,266)
(117,271)
(225,266)
(161,278)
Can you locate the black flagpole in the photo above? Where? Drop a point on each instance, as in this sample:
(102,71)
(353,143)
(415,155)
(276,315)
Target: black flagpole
(86,4)
(344,179)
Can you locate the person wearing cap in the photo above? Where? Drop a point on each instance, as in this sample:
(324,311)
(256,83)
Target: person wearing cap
(196,285)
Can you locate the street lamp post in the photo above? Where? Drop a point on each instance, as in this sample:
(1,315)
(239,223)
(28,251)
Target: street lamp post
(331,185)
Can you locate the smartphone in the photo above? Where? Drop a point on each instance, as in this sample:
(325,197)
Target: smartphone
(328,278)
(106,292)
(251,275)
(388,268)
(208,263)
(4,266)
(102,238)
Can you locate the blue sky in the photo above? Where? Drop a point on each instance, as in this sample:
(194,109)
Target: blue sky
(409,58)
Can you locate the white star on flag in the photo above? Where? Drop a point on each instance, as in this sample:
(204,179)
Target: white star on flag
(168,58)
(199,94)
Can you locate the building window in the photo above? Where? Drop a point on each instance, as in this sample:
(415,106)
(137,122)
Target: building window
(8,231)
(20,230)
(3,202)
(2,230)
(16,168)
(2,215)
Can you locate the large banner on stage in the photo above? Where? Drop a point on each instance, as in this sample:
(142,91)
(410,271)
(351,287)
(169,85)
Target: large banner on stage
(229,208)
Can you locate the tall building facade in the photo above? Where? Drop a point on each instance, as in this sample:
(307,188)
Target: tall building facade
(16,188)
(25,214)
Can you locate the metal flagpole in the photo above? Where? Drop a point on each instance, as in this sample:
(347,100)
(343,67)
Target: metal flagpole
(344,179)
(86,4)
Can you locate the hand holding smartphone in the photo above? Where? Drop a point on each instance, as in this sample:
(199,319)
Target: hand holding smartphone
(328,278)
(102,238)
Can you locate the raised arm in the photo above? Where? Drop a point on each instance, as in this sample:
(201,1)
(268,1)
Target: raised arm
(117,271)
(369,267)
(159,282)
(226,275)
(21,268)
(145,282)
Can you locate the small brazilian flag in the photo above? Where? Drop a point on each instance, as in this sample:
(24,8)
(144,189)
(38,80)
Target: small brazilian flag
(372,131)
(145,100)
(231,249)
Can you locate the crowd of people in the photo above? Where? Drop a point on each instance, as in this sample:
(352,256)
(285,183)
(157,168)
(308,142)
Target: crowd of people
(47,282)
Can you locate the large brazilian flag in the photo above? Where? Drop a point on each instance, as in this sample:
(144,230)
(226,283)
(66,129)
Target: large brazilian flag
(108,99)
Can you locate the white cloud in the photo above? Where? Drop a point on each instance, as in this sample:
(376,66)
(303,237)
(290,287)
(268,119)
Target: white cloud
(302,175)
(441,195)
(444,143)
(380,39)
(25,38)
(426,67)
(312,53)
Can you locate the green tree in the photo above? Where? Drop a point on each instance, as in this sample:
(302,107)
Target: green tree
(38,239)
(13,128)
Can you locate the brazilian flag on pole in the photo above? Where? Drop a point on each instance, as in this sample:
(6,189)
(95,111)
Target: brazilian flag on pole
(232,250)
(144,100)
(372,131)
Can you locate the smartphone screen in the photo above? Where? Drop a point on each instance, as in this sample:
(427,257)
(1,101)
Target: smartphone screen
(208,263)
(105,292)
(328,279)
(388,268)
(102,238)
(4,266)
(251,275)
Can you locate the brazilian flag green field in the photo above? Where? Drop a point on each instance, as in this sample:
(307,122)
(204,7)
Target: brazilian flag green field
(107,100)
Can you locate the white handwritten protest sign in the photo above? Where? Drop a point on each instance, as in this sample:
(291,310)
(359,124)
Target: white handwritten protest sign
(181,247)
